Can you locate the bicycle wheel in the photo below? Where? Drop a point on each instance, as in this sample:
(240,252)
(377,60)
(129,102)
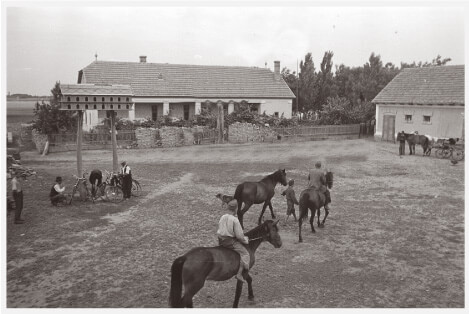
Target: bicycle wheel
(71,195)
(447,153)
(136,188)
(458,155)
(439,153)
(114,194)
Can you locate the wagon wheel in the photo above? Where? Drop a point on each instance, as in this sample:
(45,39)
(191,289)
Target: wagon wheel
(458,155)
(439,153)
(136,188)
(114,194)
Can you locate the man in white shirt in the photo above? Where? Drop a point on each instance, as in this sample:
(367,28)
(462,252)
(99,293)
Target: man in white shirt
(56,194)
(230,235)
(126,180)
(17,189)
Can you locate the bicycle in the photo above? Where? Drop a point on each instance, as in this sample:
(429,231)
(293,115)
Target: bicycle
(110,188)
(80,181)
(136,187)
(447,151)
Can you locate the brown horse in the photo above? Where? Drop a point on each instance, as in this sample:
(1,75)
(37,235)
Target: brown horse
(216,263)
(413,139)
(313,200)
(258,192)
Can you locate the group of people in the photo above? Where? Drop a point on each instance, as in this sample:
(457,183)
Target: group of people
(230,233)
(57,192)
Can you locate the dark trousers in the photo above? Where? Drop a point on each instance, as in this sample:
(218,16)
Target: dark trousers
(18,196)
(127,186)
(57,198)
(401,148)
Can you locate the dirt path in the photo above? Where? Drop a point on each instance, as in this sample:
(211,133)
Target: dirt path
(395,236)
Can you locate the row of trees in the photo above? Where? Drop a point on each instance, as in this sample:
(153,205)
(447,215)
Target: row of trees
(343,96)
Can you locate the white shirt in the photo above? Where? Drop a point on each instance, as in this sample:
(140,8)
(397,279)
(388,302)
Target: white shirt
(229,226)
(58,188)
(15,185)
(126,170)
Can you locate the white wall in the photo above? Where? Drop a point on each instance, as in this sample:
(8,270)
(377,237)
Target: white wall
(446,121)
(282,106)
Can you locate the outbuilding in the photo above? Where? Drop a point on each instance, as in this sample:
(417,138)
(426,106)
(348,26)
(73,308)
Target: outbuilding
(428,100)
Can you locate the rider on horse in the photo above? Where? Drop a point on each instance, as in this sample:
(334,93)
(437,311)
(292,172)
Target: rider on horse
(317,180)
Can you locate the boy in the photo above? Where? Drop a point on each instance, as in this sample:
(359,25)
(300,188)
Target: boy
(17,189)
(289,193)
(230,235)
(126,180)
(56,194)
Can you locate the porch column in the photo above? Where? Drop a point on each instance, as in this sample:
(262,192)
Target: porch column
(165,108)
(230,107)
(132,113)
(198,108)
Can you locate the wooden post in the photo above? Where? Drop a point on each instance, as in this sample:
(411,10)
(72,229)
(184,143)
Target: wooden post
(220,122)
(115,165)
(79,140)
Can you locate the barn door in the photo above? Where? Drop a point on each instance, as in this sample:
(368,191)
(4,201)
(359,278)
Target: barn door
(389,127)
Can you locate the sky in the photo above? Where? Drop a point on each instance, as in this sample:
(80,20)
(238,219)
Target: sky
(52,43)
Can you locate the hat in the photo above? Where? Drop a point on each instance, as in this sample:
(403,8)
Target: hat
(291,182)
(123,163)
(58,179)
(318,164)
(233,205)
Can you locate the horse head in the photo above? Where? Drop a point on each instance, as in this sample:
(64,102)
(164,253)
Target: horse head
(271,230)
(281,176)
(329,179)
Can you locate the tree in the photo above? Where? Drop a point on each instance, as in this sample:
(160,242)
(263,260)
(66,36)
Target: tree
(307,84)
(435,62)
(49,119)
(292,81)
(324,85)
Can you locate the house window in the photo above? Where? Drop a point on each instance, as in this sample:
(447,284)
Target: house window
(276,114)
(86,98)
(78,99)
(254,108)
(68,98)
(127,99)
(427,120)
(102,99)
(186,112)
(408,118)
(111,99)
(154,112)
(118,99)
(94,98)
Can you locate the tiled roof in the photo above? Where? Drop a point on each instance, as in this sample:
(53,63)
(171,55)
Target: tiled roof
(91,89)
(438,85)
(198,81)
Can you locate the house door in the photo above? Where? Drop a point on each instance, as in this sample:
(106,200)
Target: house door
(389,128)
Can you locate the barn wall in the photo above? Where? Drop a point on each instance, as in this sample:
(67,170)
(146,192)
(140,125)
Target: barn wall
(446,121)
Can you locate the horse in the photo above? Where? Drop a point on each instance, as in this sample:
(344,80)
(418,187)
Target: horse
(258,192)
(313,200)
(413,139)
(218,264)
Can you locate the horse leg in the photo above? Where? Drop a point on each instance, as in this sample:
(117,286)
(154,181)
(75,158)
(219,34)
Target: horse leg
(319,215)
(239,288)
(191,289)
(311,220)
(250,292)
(302,214)
(271,210)
(325,216)
(241,213)
(262,212)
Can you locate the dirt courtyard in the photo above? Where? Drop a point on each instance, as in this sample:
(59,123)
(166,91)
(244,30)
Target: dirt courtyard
(394,237)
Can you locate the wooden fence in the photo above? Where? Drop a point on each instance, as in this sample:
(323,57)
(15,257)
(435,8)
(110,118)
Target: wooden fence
(68,141)
(319,131)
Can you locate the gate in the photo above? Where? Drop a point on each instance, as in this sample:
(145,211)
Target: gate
(389,128)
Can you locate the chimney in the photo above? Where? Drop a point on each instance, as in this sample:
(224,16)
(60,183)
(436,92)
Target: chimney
(143,59)
(277,70)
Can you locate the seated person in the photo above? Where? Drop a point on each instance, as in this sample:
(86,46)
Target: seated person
(56,194)
(230,235)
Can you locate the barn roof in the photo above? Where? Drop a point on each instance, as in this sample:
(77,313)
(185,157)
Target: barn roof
(438,85)
(177,80)
(91,89)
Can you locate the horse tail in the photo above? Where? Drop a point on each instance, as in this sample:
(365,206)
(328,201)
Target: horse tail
(303,207)
(176,282)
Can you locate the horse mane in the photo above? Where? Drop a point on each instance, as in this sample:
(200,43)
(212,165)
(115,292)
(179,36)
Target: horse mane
(270,175)
(256,230)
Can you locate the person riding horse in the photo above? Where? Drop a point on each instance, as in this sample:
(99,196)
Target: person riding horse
(317,180)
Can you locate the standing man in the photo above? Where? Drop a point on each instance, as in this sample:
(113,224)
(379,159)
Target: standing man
(126,180)
(317,180)
(401,139)
(16,185)
(289,193)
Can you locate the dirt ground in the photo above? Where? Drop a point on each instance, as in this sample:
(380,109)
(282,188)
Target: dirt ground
(394,238)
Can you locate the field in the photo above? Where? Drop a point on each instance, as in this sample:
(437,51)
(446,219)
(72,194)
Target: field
(394,238)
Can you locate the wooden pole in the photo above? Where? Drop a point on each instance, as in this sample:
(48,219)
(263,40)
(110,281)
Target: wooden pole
(115,164)
(79,140)
(220,122)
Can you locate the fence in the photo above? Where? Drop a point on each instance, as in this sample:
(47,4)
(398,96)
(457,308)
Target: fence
(68,141)
(319,132)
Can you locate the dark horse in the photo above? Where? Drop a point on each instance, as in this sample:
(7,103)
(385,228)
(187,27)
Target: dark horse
(313,200)
(413,139)
(218,264)
(258,192)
